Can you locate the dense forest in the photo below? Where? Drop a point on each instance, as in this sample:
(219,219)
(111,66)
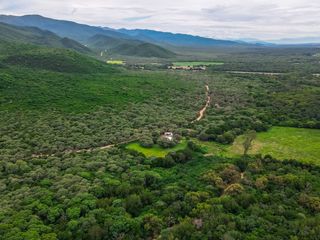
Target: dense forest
(65,171)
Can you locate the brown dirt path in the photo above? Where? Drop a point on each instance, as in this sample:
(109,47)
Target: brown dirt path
(204,109)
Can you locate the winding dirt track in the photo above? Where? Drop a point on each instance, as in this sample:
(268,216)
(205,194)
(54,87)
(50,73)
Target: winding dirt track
(204,109)
(201,115)
(83,150)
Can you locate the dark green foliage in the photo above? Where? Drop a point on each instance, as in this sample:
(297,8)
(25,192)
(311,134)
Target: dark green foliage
(56,60)
(51,190)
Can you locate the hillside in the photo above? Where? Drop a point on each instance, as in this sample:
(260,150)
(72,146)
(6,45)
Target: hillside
(60,179)
(76,31)
(180,40)
(33,35)
(143,50)
(54,60)
(102,42)
(82,32)
(128,47)
(122,150)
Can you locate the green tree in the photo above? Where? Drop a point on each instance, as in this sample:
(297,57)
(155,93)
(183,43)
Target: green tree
(249,137)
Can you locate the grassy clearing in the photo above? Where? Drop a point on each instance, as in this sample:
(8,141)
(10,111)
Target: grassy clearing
(285,143)
(194,64)
(115,62)
(279,142)
(156,150)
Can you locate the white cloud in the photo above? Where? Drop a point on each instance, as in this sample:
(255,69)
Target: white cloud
(264,19)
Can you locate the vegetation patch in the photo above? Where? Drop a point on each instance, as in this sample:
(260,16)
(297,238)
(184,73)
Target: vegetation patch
(156,150)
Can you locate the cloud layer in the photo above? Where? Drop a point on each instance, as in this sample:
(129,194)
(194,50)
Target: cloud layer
(261,19)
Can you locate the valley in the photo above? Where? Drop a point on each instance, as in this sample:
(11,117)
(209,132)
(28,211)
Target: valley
(121,146)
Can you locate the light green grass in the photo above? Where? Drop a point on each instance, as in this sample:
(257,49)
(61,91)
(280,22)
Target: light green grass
(279,142)
(156,150)
(115,62)
(193,64)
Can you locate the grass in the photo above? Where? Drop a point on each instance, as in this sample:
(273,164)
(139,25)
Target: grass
(180,64)
(115,62)
(279,142)
(156,150)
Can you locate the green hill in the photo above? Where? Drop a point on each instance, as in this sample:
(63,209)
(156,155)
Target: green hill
(33,35)
(102,42)
(128,47)
(59,60)
(143,50)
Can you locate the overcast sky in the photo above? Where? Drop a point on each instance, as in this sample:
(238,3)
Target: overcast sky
(236,19)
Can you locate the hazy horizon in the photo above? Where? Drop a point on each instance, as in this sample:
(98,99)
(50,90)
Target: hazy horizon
(263,20)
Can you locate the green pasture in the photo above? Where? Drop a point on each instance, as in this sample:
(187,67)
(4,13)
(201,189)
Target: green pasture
(279,142)
(156,150)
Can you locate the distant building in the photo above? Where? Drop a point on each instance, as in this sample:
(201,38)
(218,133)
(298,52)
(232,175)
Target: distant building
(192,68)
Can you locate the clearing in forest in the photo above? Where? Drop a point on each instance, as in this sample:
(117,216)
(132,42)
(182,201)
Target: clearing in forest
(280,142)
(156,150)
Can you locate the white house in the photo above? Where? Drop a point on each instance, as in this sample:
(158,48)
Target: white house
(168,135)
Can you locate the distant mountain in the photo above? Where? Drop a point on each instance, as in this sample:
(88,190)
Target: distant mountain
(254,41)
(76,31)
(33,35)
(128,47)
(102,42)
(298,41)
(82,32)
(144,50)
(185,40)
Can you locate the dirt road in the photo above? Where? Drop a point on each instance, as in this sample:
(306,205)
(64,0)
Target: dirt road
(82,150)
(200,116)
(204,109)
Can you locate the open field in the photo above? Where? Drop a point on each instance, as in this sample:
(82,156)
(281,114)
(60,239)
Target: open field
(116,62)
(285,143)
(194,64)
(279,142)
(156,150)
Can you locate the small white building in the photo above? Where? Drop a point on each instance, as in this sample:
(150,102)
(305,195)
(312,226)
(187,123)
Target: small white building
(168,135)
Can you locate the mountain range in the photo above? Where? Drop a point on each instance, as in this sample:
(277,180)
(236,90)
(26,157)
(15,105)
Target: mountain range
(36,36)
(36,29)
(82,32)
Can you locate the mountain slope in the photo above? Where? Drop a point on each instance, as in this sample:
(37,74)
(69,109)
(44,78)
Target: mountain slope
(176,39)
(76,31)
(102,42)
(128,47)
(143,50)
(58,60)
(32,35)
(82,32)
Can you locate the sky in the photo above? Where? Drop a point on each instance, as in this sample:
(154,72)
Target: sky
(222,19)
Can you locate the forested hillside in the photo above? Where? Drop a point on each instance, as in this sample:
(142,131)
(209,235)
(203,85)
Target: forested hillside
(128,47)
(33,35)
(66,171)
